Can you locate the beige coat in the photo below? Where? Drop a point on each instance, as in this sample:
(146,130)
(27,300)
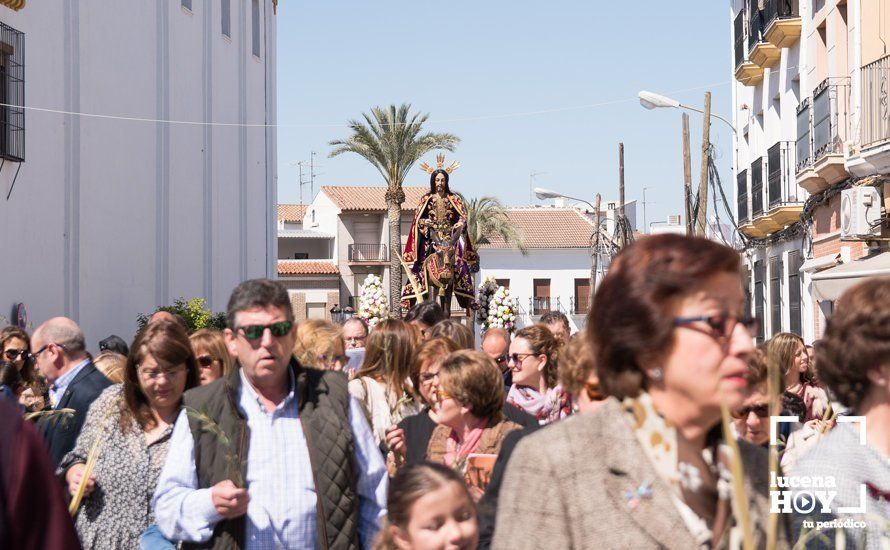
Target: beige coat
(564,488)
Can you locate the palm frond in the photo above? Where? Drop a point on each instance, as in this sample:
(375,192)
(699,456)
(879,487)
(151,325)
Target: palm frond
(487,217)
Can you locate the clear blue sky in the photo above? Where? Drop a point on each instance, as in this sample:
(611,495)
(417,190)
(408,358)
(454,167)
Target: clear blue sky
(467,63)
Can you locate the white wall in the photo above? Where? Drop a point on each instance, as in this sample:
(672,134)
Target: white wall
(111,218)
(561,266)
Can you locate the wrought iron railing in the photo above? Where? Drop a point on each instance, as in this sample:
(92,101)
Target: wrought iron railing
(757,188)
(368,253)
(781,186)
(779,9)
(540,305)
(804,144)
(875,118)
(755,24)
(739,35)
(831,101)
(742,188)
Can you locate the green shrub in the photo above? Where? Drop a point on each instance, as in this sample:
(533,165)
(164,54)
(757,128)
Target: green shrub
(194,312)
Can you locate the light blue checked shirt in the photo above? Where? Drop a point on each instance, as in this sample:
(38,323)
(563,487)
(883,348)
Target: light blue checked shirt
(58,388)
(282,508)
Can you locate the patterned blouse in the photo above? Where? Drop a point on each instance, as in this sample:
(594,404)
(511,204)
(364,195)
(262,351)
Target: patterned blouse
(126,472)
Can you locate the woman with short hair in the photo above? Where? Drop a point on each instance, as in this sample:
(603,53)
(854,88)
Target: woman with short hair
(650,467)
(854,363)
(130,425)
(320,345)
(211,353)
(455,330)
(470,398)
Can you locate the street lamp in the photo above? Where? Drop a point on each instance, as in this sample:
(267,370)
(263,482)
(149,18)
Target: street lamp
(651,100)
(336,314)
(542,193)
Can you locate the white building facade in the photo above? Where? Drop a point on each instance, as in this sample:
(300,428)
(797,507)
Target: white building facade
(115,215)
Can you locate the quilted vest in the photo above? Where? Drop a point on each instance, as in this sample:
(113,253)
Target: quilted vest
(324,414)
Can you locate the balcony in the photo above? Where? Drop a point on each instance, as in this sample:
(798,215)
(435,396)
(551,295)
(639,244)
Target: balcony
(742,204)
(367,254)
(540,305)
(785,201)
(874,139)
(760,52)
(758,226)
(746,72)
(822,128)
(781,22)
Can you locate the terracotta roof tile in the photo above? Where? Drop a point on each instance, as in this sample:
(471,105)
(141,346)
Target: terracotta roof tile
(291,212)
(370,198)
(547,228)
(307,267)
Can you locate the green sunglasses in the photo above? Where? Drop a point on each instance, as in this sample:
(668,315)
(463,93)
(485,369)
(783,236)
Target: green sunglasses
(255,332)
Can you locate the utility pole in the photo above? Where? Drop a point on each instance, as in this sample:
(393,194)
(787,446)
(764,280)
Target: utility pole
(701,222)
(594,259)
(302,183)
(619,223)
(311,175)
(687,176)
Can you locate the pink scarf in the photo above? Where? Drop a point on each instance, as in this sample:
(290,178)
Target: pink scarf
(456,451)
(547,407)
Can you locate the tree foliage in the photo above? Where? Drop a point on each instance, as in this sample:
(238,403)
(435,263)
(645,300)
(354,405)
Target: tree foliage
(486,218)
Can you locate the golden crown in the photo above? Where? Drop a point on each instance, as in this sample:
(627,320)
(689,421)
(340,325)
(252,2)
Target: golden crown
(440,163)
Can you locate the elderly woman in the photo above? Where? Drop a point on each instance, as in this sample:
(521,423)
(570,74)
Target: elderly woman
(470,397)
(650,467)
(854,362)
(751,420)
(320,345)
(534,362)
(130,427)
(211,353)
(384,383)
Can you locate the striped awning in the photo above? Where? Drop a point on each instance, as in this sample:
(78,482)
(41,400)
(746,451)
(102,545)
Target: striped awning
(13,4)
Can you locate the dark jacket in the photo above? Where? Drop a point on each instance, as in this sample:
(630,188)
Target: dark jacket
(324,414)
(60,434)
(33,513)
(419,428)
(489,504)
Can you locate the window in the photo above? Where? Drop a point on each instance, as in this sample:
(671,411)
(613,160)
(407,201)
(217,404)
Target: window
(582,296)
(759,276)
(12,94)
(794,293)
(541,299)
(775,294)
(187,4)
(316,311)
(503,282)
(255,12)
(226,18)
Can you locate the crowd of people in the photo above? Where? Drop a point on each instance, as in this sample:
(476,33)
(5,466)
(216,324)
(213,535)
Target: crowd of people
(649,428)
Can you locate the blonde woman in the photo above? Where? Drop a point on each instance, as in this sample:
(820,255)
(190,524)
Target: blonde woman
(383,384)
(211,353)
(112,365)
(790,353)
(320,345)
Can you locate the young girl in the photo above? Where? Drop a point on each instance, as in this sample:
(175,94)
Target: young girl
(429,508)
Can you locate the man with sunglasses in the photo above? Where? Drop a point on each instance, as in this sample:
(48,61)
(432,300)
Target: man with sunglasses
(60,356)
(299,447)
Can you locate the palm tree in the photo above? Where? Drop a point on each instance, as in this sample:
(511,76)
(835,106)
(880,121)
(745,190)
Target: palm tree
(487,217)
(390,139)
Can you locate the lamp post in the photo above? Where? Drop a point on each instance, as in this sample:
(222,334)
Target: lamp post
(645,225)
(651,100)
(542,193)
(336,315)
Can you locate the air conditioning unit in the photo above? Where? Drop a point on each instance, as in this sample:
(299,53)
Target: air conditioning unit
(860,213)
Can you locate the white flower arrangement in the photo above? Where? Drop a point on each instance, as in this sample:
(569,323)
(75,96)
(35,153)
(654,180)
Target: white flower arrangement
(496,307)
(373,305)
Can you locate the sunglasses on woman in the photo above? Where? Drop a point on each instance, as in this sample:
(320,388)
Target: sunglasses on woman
(255,332)
(205,361)
(14,354)
(760,409)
